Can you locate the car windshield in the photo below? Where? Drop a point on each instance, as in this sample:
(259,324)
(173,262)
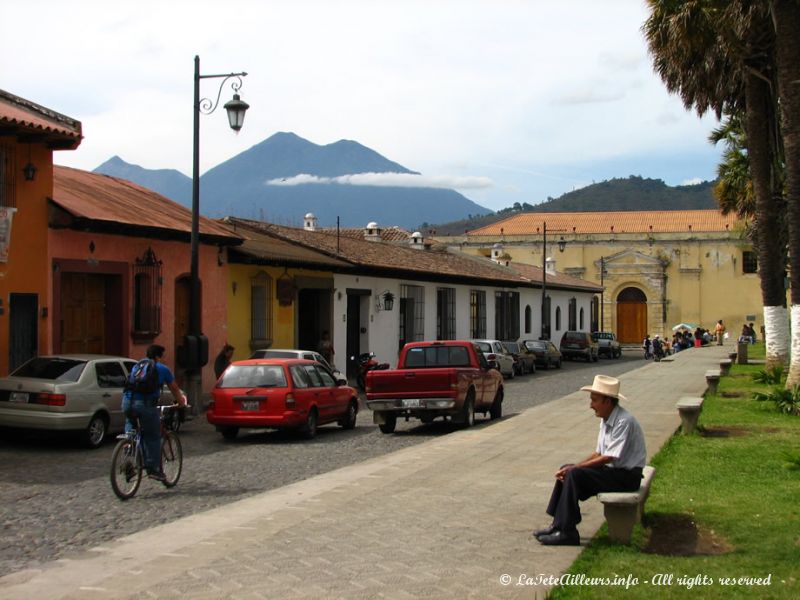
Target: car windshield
(484,346)
(53,369)
(253,376)
(437,356)
(574,336)
(274,354)
(536,345)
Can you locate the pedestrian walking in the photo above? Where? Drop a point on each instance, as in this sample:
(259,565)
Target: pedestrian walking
(719,331)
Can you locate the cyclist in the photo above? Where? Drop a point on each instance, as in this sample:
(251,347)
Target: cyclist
(146,407)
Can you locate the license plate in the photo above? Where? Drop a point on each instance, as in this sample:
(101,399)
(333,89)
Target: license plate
(18,397)
(250,404)
(411,403)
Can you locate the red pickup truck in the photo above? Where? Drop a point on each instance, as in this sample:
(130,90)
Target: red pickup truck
(435,379)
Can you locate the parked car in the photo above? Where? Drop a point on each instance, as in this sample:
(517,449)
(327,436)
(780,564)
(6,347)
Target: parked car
(496,354)
(304,354)
(607,344)
(280,393)
(579,344)
(524,359)
(69,392)
(449,379)
(545,352)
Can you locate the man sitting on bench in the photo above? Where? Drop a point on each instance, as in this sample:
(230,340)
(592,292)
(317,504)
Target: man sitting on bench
(616,465)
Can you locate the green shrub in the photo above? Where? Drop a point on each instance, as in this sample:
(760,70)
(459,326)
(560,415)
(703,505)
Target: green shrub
(786,401)
(769,376)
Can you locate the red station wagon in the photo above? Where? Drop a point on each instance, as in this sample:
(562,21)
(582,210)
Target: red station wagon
(280,393)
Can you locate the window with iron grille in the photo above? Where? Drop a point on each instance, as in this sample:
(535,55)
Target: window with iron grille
(261,311)
(412,314)
(147,285)
(595,310)
(506,315)
(572,315)
(477,314)
(558,318)
(445,313)
(8,195)
(581,320)
(528,319)
(749,262)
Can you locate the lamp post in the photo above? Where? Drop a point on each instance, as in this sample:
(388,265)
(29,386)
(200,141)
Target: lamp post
(562,244)
(195,346)
(602,292)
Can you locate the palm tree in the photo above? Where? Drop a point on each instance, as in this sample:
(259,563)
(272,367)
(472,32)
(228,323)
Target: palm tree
(718,55)
(786,18)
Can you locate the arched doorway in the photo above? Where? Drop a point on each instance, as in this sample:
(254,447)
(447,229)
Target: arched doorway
(631,315)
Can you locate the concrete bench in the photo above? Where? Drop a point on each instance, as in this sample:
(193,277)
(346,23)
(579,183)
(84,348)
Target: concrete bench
(623,510)
(732,355)
(689,410)
(725,366)
(712,380)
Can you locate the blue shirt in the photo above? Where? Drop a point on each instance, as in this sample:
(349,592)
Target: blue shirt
(165,377)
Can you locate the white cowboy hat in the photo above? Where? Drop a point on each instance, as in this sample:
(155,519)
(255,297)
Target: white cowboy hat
(605,385)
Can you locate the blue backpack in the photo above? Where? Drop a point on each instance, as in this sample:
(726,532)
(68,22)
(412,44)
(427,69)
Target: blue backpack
(143,378)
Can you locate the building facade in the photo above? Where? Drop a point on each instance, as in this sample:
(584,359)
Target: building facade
(657,268)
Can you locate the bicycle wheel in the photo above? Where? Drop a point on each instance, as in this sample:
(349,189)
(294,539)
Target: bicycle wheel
(171,458)
(126,469)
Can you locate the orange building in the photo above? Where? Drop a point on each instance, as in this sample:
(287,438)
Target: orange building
(29,133)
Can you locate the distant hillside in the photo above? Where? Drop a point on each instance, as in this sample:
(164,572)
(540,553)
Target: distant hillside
(632,193)
(244,186)
(167,182)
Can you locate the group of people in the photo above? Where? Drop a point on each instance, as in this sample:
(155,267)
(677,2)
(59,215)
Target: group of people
(748,335)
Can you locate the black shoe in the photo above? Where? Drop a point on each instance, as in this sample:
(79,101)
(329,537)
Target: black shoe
(546,531)
(560,538)
(157,475)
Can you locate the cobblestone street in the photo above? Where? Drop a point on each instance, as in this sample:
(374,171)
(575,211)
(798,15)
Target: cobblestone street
(57,498)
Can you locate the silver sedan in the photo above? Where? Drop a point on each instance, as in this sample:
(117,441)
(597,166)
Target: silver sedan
(69,392)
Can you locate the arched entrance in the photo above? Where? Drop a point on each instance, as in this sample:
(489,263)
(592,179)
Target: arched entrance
(631,315)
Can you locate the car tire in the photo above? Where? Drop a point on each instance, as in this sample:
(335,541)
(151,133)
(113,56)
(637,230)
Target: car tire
(349,421)
(496,411)
(309,430)
(95,432)
(533,368)
(511,375)
(390,424)
(546,364)
(229,432)
(595,358)
(558,364)
(467,417)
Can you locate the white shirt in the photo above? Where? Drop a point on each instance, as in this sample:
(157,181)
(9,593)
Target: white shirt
(622,437)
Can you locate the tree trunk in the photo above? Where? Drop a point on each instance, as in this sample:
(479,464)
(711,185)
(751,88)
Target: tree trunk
(786,16)
(762,150)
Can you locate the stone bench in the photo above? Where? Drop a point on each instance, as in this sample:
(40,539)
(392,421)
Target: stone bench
(725,366)
(712,380)
(732,356)
(623,510)
(689,410)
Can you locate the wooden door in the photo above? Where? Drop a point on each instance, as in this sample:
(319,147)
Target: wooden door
(631,322)
(83,303)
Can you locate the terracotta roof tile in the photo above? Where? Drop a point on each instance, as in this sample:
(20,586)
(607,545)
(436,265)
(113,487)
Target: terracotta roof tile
(21,113)
(534,273)
(651,221)
(110,199)
(437,262)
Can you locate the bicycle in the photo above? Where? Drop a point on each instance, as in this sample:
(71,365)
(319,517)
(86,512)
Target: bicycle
(127,461)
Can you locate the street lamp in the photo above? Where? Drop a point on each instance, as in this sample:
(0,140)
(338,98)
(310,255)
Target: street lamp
(562,244)
(602,292)
(195,344)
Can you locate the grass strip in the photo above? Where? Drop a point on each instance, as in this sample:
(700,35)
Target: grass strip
(723,506)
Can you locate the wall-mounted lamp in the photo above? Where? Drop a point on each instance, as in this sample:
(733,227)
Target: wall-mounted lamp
(29,171)
(562,243)
(384,301)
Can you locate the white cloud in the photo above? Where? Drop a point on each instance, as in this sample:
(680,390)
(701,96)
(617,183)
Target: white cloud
(391,180)
(693,181)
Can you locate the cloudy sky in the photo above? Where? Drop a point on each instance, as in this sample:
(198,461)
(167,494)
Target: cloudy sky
(510,101)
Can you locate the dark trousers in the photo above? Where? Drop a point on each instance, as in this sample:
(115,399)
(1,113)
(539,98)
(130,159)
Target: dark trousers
(583,483)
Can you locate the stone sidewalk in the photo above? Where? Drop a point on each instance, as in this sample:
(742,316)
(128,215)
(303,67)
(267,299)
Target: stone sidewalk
(448,518)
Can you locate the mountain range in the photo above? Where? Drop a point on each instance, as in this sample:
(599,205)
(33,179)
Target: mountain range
(262,183)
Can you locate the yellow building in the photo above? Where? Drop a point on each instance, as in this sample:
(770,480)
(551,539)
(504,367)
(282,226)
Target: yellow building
(658,268)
